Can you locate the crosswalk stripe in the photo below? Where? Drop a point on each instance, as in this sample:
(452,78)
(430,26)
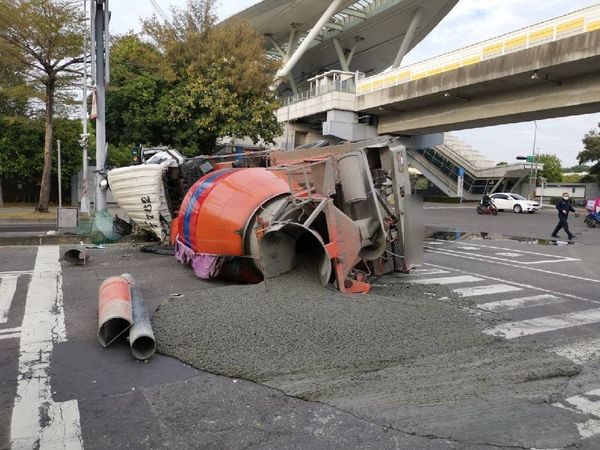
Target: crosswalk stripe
(9,330)
(428,271)
(8,286)
(448,280)
(583,404)
(486,290)
(580,351)
(513,330)
(9,336)
(523,302)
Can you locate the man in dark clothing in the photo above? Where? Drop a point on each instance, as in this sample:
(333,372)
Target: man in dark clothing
(564,207)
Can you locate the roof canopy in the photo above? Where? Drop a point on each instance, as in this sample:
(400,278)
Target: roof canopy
(368,32)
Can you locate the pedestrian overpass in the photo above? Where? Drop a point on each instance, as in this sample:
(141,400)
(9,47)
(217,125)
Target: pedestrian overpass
(549,69)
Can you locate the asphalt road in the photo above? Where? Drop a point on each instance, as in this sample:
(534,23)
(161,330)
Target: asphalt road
(58,385)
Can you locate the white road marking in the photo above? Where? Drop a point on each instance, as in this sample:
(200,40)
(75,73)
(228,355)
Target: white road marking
(38,421)
(10,330)
(12,273)
(522,285)
(491,258)
(591,407)
(557,258)
(8,287)
(469,248)
(546,324)
(523,302)
(486,290)
(510,254)
(448,280)
(9,336)
(513,264)
(580,351)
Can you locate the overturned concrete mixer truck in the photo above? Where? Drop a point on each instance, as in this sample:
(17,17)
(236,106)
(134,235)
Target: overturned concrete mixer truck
(347,210)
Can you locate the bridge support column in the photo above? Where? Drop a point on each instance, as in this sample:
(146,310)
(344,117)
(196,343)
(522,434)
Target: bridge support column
(316,29)
(408,37)
(344,60)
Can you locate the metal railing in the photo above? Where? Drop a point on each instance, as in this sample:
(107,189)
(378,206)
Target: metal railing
(347,86)
(578,22)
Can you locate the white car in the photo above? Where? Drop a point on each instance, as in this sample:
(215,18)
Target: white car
(516,202)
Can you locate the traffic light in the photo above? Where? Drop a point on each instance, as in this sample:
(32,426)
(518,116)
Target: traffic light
(529,158)
(135,156)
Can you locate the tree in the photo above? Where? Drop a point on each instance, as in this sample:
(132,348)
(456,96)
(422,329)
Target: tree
(20,140)
(223,78)
(44,37)
(502,163)
(591,152)
(552,167)
(577,169)
(138,98)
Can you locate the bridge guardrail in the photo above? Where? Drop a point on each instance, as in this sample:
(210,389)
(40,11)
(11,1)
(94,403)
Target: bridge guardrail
(578,22)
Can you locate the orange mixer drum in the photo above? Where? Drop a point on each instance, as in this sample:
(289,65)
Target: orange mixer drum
(216,210)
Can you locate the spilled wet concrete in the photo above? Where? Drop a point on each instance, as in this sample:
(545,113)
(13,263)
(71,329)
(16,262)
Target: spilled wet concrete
(399,357)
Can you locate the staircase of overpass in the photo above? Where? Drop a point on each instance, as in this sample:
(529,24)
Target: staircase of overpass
(442,164)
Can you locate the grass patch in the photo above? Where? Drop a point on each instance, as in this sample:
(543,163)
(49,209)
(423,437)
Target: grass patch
(26,211)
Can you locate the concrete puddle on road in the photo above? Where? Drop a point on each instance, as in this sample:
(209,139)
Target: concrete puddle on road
(467,236)
(398,357)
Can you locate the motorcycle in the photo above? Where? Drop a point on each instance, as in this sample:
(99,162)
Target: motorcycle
(592,220)
(487,208)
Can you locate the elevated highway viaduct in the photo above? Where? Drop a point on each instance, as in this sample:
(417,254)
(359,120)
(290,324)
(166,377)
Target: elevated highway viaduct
(556,79)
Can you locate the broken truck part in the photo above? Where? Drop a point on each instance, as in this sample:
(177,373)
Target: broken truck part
(115,315)
(141,336)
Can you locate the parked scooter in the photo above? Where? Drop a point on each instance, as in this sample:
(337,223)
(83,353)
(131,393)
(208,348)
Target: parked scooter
(486,206)
(592,220)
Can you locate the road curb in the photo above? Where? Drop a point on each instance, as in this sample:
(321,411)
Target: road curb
(60,240)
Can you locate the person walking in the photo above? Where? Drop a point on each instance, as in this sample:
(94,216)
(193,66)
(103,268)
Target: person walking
(564,207)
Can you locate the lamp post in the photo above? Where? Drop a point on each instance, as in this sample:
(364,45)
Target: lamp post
(542,192)
(532,159)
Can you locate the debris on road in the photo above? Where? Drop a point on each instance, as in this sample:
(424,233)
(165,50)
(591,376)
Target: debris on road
(391,357)
(115,315)
(77,256)
(141,337)
(122,310)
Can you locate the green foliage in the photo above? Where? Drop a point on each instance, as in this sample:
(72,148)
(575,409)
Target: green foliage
(138,98)
(41,40)
(503,163)
(119,156)
(210,106)
(591,152)
(577,169)
(196,83)
(572,178)
(421,184)
(20,141)
(552,168)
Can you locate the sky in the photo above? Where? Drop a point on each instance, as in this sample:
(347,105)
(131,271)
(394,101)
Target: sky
(470,21)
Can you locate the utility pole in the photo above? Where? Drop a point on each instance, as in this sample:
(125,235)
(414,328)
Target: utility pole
(100,71)
(85,203)
(59,176)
